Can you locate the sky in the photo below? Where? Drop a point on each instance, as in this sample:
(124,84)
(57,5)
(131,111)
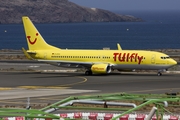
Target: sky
(128,5)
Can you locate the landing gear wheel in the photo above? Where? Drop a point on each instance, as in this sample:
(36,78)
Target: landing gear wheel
(159,73)
(88,72)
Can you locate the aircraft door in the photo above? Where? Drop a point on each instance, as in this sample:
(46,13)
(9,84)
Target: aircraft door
(167,62)
(153,59)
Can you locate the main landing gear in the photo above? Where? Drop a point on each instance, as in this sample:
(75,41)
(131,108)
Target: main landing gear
(88,72)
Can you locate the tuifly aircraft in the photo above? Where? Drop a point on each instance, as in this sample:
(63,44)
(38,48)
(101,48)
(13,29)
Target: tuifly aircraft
(93,61)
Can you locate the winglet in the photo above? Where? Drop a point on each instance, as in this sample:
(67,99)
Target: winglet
(118,46)
(26,54)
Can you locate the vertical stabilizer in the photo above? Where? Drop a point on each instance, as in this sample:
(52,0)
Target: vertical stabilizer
(34,39)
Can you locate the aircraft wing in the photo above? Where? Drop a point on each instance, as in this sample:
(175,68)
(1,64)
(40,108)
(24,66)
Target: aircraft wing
(72,64)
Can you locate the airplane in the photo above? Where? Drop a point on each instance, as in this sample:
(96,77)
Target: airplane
(93,61)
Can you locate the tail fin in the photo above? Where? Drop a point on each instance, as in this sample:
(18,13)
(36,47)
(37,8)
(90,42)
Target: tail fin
(34,39)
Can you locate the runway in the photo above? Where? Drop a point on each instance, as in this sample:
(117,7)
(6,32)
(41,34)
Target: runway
(113,83)
(47,88)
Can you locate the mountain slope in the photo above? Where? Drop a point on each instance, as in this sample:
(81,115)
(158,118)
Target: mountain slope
(55,11)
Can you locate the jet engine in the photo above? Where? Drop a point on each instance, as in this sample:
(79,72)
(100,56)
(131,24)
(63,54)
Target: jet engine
(101,68)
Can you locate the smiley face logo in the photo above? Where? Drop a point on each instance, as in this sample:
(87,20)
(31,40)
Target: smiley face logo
(34,41)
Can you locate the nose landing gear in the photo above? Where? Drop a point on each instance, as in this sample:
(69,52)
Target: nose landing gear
(159,73)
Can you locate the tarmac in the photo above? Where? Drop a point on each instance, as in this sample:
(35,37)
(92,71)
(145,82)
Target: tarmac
(45,84)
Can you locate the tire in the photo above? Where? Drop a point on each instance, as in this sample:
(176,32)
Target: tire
(88,72)
(159,74)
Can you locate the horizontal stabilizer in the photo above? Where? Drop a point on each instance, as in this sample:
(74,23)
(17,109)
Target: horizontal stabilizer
(26,54)
(31,52)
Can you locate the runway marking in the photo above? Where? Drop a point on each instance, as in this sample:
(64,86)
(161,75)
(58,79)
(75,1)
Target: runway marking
(65,86)
(126,81)
(71,84)
(5,88)
(42,87)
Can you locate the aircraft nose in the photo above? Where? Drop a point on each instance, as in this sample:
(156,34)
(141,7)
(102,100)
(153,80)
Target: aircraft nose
(173,62)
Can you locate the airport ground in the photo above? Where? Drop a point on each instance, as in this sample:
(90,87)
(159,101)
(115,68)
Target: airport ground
(44,88)
(21,79)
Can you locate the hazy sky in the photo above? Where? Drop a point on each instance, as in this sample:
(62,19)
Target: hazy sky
(130,4)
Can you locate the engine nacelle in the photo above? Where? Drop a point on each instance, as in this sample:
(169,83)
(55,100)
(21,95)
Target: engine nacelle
(101,68)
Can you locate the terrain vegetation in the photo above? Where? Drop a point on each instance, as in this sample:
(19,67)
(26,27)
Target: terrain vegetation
(56,11)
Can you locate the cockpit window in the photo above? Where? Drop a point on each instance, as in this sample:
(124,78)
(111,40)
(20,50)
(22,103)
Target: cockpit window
(167,57)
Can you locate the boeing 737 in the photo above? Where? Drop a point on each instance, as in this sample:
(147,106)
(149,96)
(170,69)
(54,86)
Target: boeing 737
(93,61)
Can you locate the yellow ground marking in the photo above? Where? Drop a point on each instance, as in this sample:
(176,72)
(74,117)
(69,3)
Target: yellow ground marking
(5,88)
(125,81)
(64,86)
(42,87)
(71,84)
